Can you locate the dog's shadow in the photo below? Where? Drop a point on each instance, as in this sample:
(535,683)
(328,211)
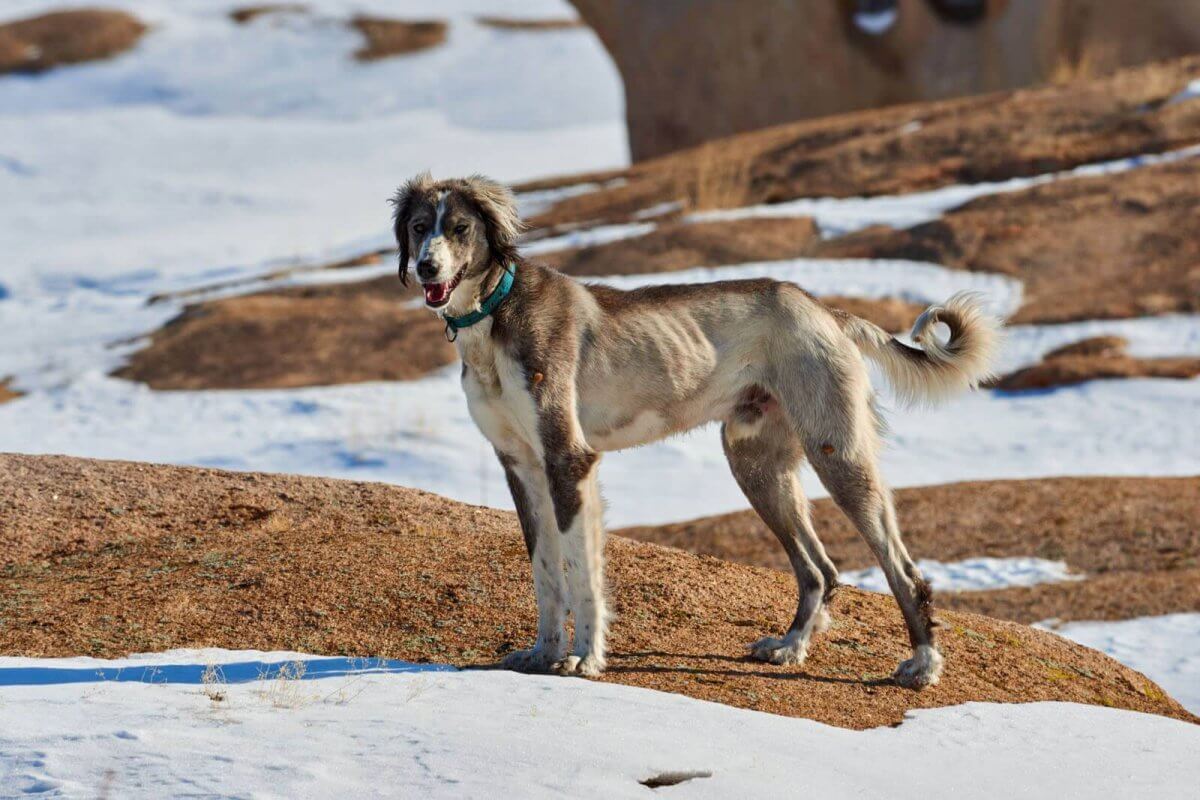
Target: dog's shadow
(778,673)
(616,667)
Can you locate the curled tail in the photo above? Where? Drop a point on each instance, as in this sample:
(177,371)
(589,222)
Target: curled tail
(937,370)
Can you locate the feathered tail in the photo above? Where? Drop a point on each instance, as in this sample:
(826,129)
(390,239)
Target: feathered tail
(936,370)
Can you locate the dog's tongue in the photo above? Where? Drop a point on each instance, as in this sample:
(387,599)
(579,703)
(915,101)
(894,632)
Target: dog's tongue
(436,292)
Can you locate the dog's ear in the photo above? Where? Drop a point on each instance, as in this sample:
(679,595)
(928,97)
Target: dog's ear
(498,208)
(403,203)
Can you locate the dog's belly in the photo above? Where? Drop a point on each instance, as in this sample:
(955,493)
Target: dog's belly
(615,434)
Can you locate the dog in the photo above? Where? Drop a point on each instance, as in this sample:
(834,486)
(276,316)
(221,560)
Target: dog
(557,372)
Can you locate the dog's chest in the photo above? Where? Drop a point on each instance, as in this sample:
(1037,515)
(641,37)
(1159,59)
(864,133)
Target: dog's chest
(498,399)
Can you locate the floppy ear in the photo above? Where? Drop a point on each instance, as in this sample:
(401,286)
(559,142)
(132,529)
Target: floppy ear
(402,207)
(498,208)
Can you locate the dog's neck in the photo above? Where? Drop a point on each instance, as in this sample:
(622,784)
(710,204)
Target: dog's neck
(471,292)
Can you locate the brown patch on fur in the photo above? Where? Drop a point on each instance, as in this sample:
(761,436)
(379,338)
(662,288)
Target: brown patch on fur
(1102,357)
(370,568)
(36,44)
(394,37)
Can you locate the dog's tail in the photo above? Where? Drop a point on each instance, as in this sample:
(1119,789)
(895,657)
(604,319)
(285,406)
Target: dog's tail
(937,370)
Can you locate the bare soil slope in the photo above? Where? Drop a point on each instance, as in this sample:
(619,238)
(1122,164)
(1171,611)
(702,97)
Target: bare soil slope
(105,558)
(1136,539)
(1122,245)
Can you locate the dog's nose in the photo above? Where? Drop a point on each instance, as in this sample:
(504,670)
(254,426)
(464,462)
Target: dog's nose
(426,271)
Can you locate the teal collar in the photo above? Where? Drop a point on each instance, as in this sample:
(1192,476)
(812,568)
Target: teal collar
(493,301)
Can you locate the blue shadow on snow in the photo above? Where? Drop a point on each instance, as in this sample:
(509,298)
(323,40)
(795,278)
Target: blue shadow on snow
(239,672)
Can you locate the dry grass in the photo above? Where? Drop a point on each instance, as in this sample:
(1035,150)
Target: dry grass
(247,13)
(712,179)
(518,24)
(394,37)
(36,44)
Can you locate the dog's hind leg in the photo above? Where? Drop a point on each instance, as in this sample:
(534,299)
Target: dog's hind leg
(842,450)
(531,496)
(764,454)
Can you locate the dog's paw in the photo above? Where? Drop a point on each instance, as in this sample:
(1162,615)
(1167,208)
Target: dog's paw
(538,658)
(589,666)
(923,669)
(779,651)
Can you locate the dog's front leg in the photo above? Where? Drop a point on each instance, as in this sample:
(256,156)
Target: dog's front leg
(571,473)
(535,510)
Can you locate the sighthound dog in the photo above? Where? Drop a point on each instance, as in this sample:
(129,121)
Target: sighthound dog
(556,372)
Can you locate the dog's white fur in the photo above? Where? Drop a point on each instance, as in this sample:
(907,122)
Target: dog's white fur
(562,371)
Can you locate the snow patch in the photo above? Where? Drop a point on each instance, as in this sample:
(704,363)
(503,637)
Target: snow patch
(1166,649)
(483,734)
(972,574)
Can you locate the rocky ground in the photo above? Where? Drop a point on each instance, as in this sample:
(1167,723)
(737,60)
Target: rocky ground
(105,558)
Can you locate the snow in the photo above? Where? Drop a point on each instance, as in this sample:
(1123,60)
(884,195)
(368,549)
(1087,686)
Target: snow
(1166,648)
(485,734)
(224,146)
(1190,92)
(840,216)
(876,23)
(972,574)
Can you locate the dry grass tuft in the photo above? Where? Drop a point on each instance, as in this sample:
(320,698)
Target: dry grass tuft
(36,44)
(713,179)
(394,37)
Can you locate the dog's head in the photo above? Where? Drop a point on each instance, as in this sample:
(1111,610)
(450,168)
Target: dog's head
(454,232)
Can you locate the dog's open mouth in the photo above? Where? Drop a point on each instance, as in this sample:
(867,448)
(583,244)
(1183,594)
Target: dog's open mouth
(438,294)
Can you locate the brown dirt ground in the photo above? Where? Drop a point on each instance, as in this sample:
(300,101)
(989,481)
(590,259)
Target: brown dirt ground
(674,246)
(105,558)
(983,138)
(1104,247)
(394,37)
(519,24)
(1137,540)
(36,44)
(312,336)
(1092,359)
(245,14)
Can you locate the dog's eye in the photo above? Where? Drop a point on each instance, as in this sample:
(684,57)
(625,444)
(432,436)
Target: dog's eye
(419,227)
(460,229)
